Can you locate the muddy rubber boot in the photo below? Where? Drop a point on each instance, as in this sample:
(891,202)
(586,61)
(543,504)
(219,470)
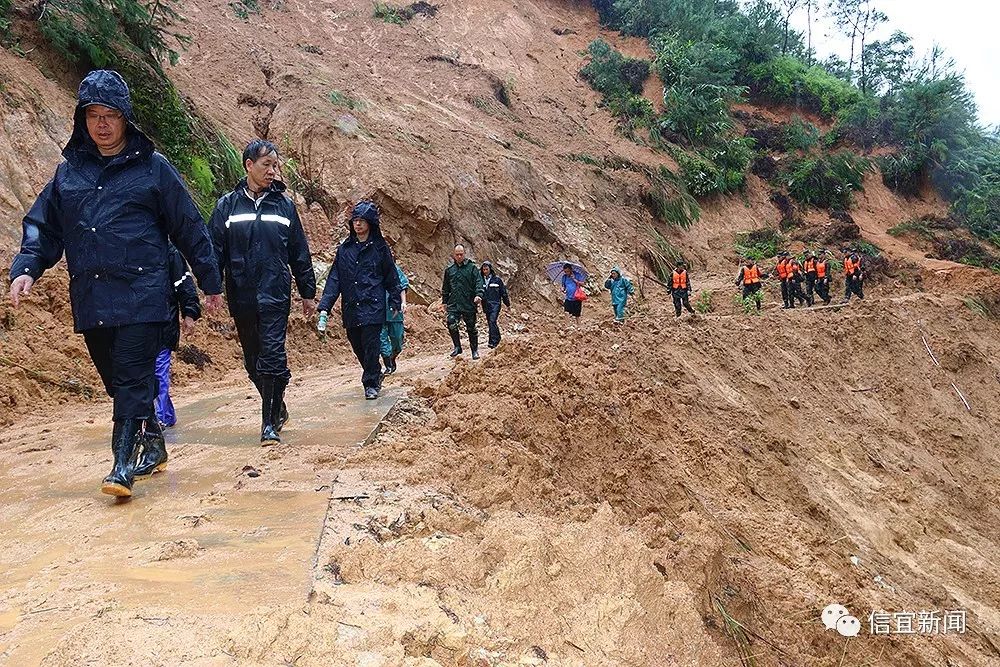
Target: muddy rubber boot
(282,417)
(269,406)
(153,457)
(279,413)
(392,360)
(387,362)
(125,447)
(458,344)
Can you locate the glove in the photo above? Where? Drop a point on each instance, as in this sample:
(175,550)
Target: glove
(323,317)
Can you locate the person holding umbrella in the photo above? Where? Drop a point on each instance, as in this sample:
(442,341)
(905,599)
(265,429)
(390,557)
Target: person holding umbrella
(571,277)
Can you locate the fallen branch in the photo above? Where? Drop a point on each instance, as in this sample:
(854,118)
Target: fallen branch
(66,385)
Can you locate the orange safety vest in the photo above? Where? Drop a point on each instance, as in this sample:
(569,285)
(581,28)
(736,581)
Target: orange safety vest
(850,266)
(751,275)
(680,280)
(821,269)
(792,269)
(810,266)
(782,268)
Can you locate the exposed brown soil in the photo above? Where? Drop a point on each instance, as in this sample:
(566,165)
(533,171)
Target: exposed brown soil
(601,496)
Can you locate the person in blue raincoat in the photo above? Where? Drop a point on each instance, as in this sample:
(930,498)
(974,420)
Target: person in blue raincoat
(393,333)
(111,207)
(621,288)
(364,273)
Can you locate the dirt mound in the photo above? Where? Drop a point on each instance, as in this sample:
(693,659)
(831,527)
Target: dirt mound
(750,488)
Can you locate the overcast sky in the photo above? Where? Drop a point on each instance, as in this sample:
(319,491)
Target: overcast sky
(966,29)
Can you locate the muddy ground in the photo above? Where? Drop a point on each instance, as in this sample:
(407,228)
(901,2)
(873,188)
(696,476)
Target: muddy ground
(597,496)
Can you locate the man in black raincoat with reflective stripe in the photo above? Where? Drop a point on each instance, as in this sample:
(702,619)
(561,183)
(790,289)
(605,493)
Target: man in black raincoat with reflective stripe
(111,207)
(258,237)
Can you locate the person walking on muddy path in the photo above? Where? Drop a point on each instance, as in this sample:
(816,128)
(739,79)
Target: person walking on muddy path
(572,285)
(393,333)
(461,294)
(494,294)
(793,276)
(809,270)
(680,289)
(750,278)
(258,237)
(621,288)
(781,270)
(184,307)
(111,206)
(365,275)
(823,280)
(853,276)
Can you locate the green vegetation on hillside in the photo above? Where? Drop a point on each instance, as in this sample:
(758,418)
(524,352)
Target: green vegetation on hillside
(711,54)
(133,38)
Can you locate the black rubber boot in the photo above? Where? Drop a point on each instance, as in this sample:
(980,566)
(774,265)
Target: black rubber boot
(282,417)
(125,447)
(458,344)
(387,362)
(153,458)
(392,360)
(279,414)
(269,405)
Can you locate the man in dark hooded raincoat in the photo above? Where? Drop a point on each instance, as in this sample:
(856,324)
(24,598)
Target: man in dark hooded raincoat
(111,207)
(364,274)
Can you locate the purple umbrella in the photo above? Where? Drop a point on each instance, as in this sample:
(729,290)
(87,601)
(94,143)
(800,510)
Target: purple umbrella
(555,270)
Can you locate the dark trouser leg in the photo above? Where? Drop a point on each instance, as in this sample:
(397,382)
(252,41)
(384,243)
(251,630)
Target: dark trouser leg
(453,319)
(859,288)
(685,296)
(677,302)
(847,288)
(784,292)
(272,328)
(125,358)
(752,292)
(796,293)
(366,345)
(99,342)
(823,289)
(810,288)
(472,329)
(492,316)
(249,337)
